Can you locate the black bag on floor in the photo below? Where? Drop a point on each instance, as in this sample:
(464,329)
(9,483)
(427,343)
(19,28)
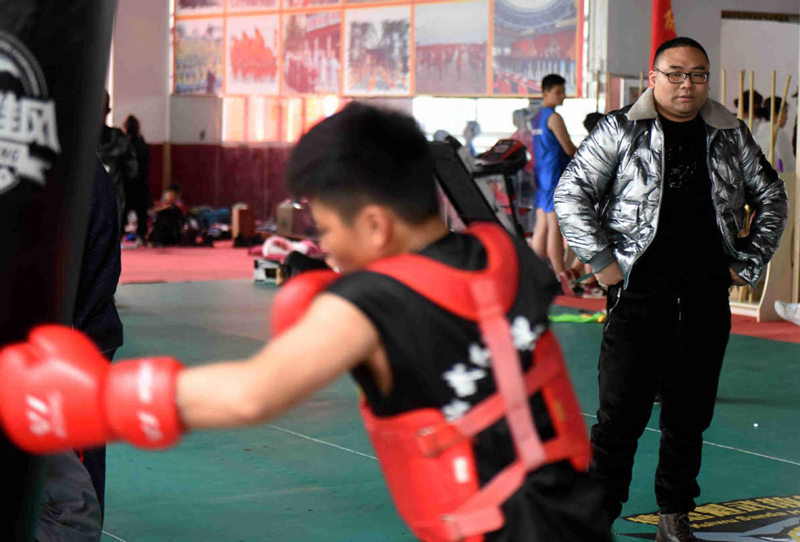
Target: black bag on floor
(297,262)
(194,232)
(167,228)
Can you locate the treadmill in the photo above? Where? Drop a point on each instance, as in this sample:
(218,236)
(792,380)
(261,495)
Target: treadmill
(468,182)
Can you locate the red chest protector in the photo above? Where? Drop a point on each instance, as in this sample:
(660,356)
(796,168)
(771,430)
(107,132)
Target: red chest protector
(428,461)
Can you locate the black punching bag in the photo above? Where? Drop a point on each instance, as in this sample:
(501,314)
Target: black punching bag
(53,60)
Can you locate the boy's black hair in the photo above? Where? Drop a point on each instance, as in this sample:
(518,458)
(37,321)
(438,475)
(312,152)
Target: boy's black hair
(757,102)
(680,41)
(591,120)
(777,103)
(552,80)
(364,155)
(174,188)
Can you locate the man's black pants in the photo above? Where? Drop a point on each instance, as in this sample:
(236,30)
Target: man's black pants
(94,459)
(677,340)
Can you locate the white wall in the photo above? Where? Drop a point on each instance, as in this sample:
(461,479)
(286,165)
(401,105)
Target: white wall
(628,36)
(195,119)
(701,20)
(141,66)
(629,27)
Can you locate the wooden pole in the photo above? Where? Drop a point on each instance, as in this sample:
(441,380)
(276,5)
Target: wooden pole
(772,120)
(641,83)
(740,112)
(795,268)
(747,291)
(723,87)
(752,100)
(608,92)
(783,102)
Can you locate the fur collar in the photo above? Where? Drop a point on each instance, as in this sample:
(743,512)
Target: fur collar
(713,113)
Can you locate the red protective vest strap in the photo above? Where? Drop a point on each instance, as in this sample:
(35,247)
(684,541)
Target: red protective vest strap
(451,288)
(434,439)
(479,514)
(507,372)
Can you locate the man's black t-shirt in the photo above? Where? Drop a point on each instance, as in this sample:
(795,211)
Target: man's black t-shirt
(438,360)
(687,250)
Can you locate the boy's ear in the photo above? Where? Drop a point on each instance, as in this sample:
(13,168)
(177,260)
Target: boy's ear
(377,223)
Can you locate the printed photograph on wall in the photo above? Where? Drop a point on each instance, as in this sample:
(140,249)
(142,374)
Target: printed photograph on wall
(198,7)
(308,3)
(198,56)
(252,66)
(378,50)
(531,40)
(451,41)
(311,51)
(252,5)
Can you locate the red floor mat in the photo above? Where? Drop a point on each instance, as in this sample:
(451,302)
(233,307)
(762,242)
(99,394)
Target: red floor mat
(186,264)
(740,325)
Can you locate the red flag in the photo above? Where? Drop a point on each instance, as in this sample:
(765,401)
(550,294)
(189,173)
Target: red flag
(662,25)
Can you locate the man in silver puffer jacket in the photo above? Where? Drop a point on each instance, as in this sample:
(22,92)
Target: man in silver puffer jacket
(654,201)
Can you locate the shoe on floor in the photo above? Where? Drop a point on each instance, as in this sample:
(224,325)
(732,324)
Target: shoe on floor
(593,291)
(788,311)
(567,279)
(675,528)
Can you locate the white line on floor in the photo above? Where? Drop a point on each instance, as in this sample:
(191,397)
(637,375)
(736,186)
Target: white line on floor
(748,452)
(322,442)
(114,536)
(723,446)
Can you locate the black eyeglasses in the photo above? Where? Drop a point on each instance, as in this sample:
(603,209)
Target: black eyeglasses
(676,78)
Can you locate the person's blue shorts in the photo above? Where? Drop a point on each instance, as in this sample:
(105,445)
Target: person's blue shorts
(545,189)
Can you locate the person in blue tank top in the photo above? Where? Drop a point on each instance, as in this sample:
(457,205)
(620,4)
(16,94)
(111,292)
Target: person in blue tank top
(552,151)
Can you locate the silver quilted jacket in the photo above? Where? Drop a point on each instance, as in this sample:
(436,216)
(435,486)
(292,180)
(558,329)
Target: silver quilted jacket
(608,198)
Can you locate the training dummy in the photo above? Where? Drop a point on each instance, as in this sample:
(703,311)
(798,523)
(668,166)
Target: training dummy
(425,320)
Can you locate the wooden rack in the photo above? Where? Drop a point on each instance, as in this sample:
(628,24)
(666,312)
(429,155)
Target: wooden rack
(781,280)
(781,275)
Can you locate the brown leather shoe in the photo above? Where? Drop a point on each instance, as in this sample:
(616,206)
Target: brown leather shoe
(675,528)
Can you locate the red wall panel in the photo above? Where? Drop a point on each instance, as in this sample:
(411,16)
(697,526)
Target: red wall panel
(156,181)
(219,176)
(196,169)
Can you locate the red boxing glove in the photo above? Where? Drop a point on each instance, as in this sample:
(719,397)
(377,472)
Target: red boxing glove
(140,401)
(295,297)
(57,392)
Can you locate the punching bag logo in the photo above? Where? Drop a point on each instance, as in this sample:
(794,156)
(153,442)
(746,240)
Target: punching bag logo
(28,134)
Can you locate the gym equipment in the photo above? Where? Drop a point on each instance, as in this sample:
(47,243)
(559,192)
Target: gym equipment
(466,183)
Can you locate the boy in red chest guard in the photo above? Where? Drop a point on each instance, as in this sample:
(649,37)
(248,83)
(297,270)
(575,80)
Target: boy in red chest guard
(466,399)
